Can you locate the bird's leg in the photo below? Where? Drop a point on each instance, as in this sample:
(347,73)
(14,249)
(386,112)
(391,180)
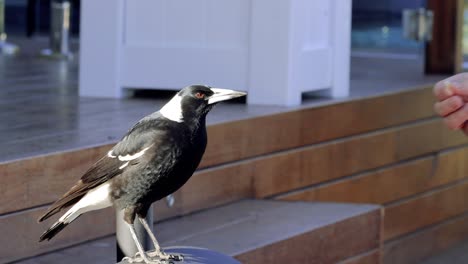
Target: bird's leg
(141,253)
(157,249)
(148,230)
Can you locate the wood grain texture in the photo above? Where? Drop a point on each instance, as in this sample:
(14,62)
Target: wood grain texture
(30,185)
(67,121)
(299,168)
(333,245)
(287,171)
(372,257)
(203,227)
(355,117)
(54,174)
(427,137)
(378,186)
(37,181)
(267,134)
(20,233)
(392,183)
(214,187)
(206,189)
(426,242)
(424,210)
(25,230)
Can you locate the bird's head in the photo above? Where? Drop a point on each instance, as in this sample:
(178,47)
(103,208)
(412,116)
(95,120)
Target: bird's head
(196,101)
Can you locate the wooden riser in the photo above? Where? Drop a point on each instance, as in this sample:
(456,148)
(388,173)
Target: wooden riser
(21,233)
(323,244)
(228,142)
(371,257)
(41,180)
(429,208)
(426,191)
(268,134)
(412,177)
(426,242)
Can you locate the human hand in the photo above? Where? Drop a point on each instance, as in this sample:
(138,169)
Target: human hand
(452,98)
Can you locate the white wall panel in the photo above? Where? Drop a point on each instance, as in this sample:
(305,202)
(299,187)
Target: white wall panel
(275,50)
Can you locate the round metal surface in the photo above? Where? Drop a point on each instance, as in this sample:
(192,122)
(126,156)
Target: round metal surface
(194,255)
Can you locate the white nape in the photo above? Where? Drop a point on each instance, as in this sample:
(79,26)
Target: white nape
(95,199)
(173,109)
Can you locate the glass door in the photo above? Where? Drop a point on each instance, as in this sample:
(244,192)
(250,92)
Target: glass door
(377,27)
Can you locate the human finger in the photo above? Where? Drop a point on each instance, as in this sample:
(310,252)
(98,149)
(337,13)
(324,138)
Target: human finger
(448,105)
(457,119)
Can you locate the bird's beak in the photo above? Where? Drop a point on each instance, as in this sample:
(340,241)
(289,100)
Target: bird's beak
(223,95)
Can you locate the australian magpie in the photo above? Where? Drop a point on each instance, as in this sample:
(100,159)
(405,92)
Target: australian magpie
(154,159)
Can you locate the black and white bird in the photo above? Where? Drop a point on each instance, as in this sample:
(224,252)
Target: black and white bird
(154,159)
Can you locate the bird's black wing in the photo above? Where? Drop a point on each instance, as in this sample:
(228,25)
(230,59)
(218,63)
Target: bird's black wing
(125,154)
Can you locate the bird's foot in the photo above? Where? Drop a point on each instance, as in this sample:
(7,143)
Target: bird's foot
(159,254)
(138,258)
(154,257)
(135,259)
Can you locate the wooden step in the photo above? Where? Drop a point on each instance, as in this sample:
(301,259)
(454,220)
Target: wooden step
(261,231)
(411,177)
(427,242)
(386,137)
(260,177)
(239,140)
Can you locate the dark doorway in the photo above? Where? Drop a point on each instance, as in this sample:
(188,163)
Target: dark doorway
(32,17)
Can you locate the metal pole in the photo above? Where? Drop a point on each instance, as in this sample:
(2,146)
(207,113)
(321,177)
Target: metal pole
(2,21)
(125,245)
(59,31)
(5,47)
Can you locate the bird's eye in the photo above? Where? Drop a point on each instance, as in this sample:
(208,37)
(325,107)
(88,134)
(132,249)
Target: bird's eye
(200,95)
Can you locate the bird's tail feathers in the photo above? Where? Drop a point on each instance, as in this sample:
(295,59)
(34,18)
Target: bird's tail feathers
(48,214)
(65,220)
(53,230)
(64,202)
(94,199)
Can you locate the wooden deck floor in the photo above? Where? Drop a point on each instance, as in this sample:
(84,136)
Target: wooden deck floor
(41,112)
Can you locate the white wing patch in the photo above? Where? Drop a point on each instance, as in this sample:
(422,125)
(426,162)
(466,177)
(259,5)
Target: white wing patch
(133,156)
(124,165)
(127,157)
(173,109)
(110,155)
